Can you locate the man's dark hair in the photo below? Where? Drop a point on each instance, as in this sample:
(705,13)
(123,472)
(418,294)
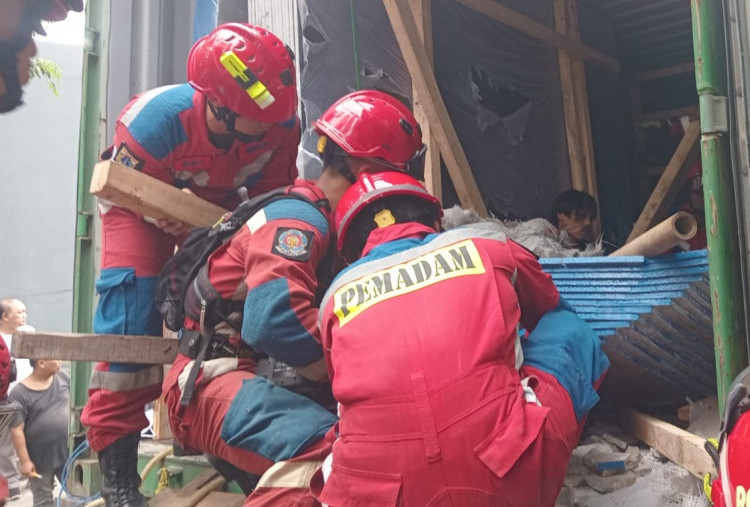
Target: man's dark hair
(572,203)
(32,362)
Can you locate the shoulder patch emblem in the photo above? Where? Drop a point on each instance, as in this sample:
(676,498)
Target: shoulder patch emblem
(292,244)
(126,157)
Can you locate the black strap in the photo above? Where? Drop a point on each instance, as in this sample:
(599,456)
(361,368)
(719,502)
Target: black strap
(187,393)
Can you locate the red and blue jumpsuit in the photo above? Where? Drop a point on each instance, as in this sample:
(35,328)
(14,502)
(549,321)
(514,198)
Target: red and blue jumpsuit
(270,267)
(424,354)
(163,133)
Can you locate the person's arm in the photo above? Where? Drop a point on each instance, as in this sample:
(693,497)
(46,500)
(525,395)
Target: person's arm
(281,257)
(536,292)
(19,443)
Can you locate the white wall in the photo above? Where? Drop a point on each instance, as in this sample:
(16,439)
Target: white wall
(38,173)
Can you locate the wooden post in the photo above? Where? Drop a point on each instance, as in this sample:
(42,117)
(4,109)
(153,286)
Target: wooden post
(423,17)
(415,56)
(669,182)
(576,105)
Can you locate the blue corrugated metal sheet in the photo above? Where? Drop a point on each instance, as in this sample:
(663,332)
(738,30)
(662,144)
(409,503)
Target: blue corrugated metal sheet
(653,315)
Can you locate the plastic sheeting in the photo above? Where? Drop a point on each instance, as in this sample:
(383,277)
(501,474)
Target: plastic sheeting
(501,89)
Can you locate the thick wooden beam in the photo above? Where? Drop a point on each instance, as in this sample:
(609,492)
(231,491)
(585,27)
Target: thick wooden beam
(415,56)
(538,31)
(423,17)
(95,347)
(576,105)
(672,70)
(680,446)
(138,192)
(669,183)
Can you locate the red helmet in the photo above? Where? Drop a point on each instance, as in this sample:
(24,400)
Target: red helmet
(733,481)
(374,124)
(246,69)
(373,187)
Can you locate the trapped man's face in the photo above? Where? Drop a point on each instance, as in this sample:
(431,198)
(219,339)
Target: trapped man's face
(578,228)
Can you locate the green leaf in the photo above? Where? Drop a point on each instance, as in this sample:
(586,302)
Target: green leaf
(46,69)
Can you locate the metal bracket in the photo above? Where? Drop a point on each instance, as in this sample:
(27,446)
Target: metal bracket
(714,114)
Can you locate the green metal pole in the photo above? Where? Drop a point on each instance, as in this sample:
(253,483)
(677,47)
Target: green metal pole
(718,187)
(88,150)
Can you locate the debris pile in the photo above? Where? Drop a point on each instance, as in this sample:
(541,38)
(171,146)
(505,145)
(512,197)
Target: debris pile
(611,468)
(537,234)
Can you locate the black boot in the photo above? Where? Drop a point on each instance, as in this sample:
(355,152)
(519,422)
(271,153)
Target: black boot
(120,479)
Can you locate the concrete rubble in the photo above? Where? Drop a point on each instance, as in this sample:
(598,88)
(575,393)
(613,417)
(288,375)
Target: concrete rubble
(610,468)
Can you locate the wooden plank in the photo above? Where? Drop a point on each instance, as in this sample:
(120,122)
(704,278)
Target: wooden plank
(680,446)
(538,31)
(415,56)
(669,183)
(138,192)
(669,113)
(432,178)
(223,499)
(162,430)
(95,347)
(192,493)
(681,68)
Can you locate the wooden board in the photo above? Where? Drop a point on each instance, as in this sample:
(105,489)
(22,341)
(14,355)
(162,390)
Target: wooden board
(669,183)
(417,61)
(192,493)
(576,106)
(538,31)
(95,347)
(162,430)
(432,177)
(222,499)
(680,446)
(150,197)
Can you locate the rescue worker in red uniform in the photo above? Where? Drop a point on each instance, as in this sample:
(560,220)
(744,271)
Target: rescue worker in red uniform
(438,403)
(731,452)
(266,282)
(232,128)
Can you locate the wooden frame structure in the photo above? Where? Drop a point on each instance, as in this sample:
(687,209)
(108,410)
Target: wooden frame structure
(412,26)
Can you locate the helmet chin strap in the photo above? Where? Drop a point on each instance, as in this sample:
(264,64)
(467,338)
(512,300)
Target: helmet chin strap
(229,117)
(9,72)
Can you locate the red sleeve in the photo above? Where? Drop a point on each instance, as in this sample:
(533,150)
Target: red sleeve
(280,308)
(536,292)
(281,168)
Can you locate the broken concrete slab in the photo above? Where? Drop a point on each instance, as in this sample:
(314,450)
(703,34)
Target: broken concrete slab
(611,483)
